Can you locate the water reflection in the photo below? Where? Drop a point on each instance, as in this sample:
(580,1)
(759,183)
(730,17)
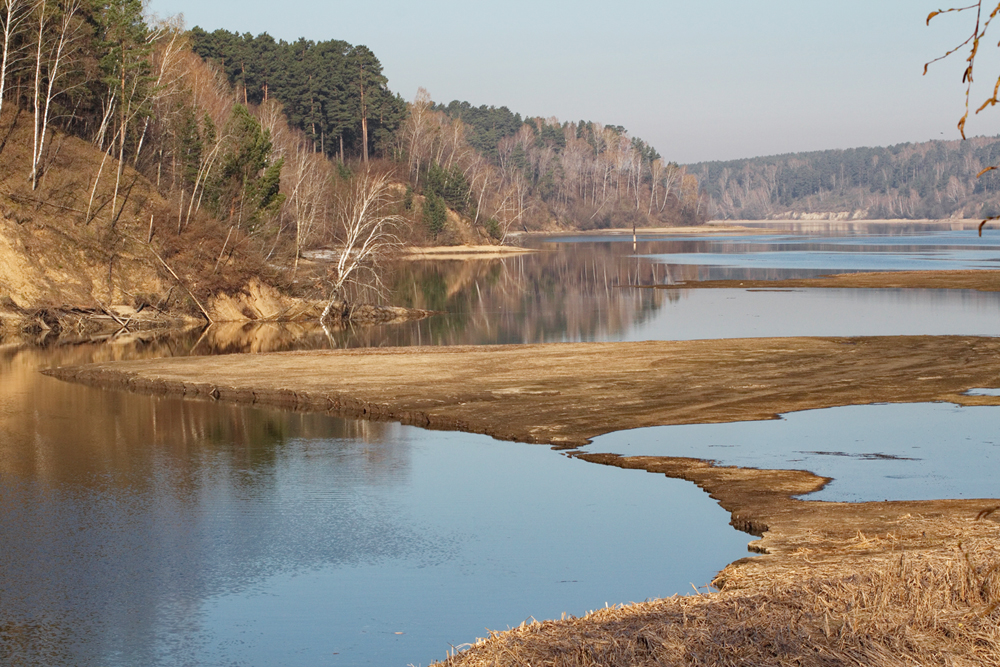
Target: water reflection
(154,531)
(872,452)
(143,530)
(580,290)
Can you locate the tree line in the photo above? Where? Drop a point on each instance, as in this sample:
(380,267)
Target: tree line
(934,179)
(261,149)
(510,172)
(334,92)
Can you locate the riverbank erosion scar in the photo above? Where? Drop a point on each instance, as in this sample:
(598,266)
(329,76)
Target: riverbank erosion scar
(567,393)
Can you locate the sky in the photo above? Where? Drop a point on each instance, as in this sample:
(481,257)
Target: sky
(699,80)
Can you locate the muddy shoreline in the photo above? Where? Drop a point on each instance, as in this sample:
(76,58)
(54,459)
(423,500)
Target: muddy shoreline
(565,394)
(978,280)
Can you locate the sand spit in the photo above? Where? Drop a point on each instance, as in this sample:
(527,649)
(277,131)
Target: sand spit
(883,583)
(983,281)
(565,394)
(465,252)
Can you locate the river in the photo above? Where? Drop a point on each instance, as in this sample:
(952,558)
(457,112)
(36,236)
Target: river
(156,531)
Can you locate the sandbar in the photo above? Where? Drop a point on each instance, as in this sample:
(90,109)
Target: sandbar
(962,279)
(830,576)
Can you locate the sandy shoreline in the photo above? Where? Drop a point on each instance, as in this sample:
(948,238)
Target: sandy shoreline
(565,394)
(979,280)
(464,251)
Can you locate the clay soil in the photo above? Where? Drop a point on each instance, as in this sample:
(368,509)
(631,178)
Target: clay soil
(835,584)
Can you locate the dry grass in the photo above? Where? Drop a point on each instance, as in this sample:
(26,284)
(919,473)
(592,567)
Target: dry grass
(923,608)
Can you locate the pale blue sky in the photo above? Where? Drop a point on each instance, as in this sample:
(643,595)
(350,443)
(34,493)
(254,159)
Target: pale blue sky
(700,80)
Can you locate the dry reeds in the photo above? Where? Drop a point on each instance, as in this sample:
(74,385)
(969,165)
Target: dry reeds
(938,608)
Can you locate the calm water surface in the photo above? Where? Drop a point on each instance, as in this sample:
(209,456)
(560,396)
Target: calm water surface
(141,530)
(911,451)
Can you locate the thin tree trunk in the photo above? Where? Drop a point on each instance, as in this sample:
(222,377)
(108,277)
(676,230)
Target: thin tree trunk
(37,96)
(364,117)
(9,30)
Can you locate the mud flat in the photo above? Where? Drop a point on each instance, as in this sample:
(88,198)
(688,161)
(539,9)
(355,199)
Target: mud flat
(837,583)
(979,280)
(565,394)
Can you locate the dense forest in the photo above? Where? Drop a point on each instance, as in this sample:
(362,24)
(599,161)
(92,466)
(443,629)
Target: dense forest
(491,165)
(216,157)
(335,93)
(934,179)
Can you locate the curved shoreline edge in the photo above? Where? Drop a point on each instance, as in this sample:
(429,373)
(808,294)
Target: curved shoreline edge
(961,279)
(565,394)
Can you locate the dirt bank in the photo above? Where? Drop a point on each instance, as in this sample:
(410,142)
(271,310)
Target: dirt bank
(983,281)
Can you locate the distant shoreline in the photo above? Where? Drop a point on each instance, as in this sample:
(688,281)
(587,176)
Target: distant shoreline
(963,222)
(981,280)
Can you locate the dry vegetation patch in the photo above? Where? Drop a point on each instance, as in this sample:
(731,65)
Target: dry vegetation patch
(901,609)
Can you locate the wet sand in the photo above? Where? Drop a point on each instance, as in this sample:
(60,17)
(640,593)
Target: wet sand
(979,280)
(565,394)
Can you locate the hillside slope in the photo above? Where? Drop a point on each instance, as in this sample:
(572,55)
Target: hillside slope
(51,253)
(934,179)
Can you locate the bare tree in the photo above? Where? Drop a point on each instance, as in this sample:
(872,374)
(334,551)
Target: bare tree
(12,15)
(50,64)
(306,176)
(365,231)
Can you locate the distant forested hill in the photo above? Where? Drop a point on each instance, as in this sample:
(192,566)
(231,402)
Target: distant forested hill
(934,179)
(580,174)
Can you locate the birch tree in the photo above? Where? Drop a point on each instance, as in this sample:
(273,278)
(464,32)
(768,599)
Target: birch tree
(51,55)
(13,14)
(365,232)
